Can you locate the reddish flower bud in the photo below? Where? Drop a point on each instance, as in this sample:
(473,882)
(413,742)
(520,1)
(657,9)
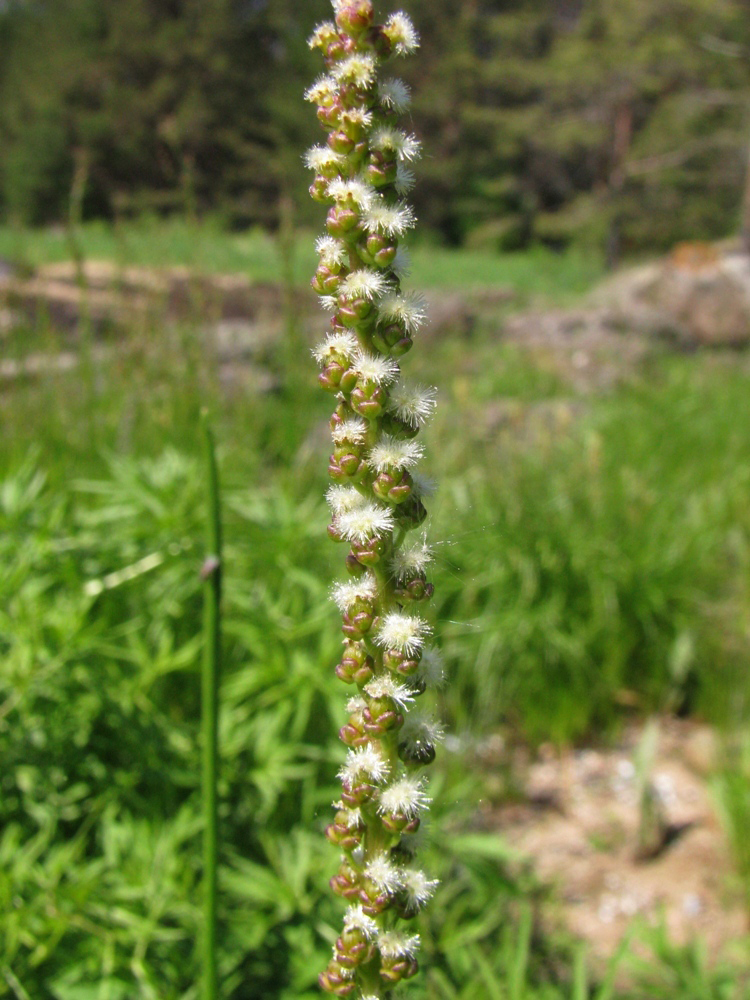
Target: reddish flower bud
(381,715)
(330,378)
(395,969)
(355,17)
(368,402)
(394,487)
(400,663)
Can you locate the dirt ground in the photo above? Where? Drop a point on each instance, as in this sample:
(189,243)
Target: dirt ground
(578,820)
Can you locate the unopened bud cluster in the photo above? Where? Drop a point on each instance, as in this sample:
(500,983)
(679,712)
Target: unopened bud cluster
(362,175)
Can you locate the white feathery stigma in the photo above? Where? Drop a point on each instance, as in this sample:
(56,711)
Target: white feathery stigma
(393,453)
(355,918)
(365,761)
(324,89)
(406,633)
(420,730)
(360,524)
(414,404)
(402,33)
(396,944)
(409,309)
(321,158)
(393,220)
(357,116)
(405,797)
(384,874)
(432,668)
(366,283)
(413,560)
(342,499)
(346,594)
(353,430)
(375,368)
(422,485)
(321,35)
(339,344)
(401,265)
(328,302)
(405,180)
(395,95)
(393,140)
(354,191)
(418,888)
(333,252)
(386,686)
(357,69)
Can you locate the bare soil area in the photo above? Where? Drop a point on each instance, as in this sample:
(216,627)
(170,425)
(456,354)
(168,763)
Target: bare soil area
(579,819)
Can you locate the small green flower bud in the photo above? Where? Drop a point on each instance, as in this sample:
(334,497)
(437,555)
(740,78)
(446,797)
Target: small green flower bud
(343,223)
(381,715)
(353,566)
(353,311)
(357,625)
(398,823)
(334,980)
(356,664)
(393,339)
(373,899)
(355,17)
(336,49)
(368,553)
(368,400)
(319,190)
(358,793)
(353,948)
(346,882)
(330,378)
(394,487)
(328,115)
(416,589)
(341,142)
(342,834)
(325,281)
(400,663)
(393,970)
(348,380)
(346,466)
(353,733)
(382,249)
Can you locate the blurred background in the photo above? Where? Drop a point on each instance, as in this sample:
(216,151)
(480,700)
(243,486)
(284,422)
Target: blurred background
(584,246)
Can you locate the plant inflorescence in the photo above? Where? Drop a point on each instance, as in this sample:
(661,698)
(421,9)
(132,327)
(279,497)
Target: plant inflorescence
(362,174)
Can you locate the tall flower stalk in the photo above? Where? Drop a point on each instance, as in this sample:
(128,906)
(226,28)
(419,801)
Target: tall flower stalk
(362,174)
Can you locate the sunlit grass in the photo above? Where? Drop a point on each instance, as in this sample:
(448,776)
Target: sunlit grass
(176,242)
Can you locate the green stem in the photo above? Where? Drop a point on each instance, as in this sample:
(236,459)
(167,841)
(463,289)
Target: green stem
(211,574)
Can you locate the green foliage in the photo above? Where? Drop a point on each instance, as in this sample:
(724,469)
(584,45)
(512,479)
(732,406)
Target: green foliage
(589,562)
(592,547)
(594,122)
(732,791)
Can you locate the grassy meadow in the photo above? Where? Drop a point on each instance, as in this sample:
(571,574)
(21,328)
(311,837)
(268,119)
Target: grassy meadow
(591,567)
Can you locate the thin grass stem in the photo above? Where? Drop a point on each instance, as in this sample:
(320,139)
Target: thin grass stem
(211,574)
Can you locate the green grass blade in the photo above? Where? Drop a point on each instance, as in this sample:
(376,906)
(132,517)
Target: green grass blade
(211,574)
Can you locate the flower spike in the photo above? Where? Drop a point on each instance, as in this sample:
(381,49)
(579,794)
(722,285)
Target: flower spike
(363,174)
